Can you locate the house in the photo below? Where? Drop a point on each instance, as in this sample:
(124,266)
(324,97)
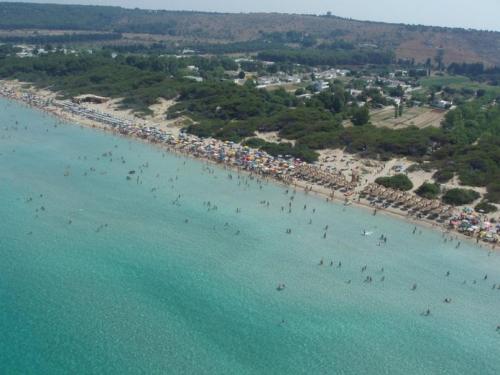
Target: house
(401,73)
(443,104)
(355,93)
(320,86)
(194,78)
(24,54)
(305,96)
(293,79)
(327,74)
(267,81)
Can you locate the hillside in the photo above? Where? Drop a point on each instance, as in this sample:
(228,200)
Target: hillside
(409,42)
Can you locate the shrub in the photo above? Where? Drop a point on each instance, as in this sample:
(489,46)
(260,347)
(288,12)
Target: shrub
(254,142)
(298,151)
(428,190)
(485,207)
(443,176)
(361,116)
(414,168)
(493,194)
(399,182)
(459,197)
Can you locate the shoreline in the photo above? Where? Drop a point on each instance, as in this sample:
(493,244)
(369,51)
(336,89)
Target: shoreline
(349,194)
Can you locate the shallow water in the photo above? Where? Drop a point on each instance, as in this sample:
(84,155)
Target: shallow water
(100,274)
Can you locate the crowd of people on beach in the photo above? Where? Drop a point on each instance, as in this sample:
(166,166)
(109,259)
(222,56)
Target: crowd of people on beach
(476,225)
(412,204)
(283,168)
(466,221)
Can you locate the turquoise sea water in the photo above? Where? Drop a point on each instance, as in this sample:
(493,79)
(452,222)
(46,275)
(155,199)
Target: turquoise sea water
(103,275)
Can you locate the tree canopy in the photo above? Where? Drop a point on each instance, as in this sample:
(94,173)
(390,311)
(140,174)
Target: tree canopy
(398,182)
(459,197)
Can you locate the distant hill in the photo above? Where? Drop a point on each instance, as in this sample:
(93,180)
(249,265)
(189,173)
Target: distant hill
(408,41)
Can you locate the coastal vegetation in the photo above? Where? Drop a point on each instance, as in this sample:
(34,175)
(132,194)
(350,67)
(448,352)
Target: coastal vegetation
(485,207)
(443,175)
(473,149)
(428,190)
(398,182)
(493,194)
(459,197)
(283,149)
(139,80)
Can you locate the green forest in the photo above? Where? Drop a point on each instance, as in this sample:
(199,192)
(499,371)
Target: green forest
(139,80)
(314,57)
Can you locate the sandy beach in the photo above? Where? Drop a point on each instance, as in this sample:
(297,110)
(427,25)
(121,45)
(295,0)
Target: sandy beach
(344,177)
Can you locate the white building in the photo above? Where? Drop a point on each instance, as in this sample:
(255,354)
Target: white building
(321,85)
